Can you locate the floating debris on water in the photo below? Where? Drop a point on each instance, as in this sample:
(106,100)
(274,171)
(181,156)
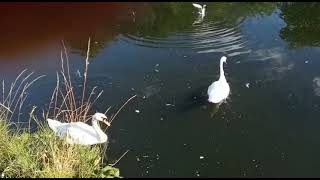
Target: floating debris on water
(238,62)
(197,173)
(137,111)
(157,70)
(168,104)
(306,62)
(316,86)
(201,157)
(188,85)
(247,85)
(283,156)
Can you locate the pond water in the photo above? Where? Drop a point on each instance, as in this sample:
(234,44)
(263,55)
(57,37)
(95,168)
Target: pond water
(168,55)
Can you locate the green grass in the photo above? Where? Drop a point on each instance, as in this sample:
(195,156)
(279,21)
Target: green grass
(42,154)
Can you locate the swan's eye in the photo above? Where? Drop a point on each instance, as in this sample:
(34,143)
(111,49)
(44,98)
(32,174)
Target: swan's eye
(104,118)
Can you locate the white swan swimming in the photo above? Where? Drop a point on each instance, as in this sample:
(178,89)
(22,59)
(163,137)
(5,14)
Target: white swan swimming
(79,132)
(219,90)
(202,9)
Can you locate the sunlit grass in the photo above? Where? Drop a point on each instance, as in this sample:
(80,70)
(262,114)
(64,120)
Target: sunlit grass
(42,154)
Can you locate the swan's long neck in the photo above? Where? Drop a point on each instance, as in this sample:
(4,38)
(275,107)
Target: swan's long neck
(222,77)
(97,128)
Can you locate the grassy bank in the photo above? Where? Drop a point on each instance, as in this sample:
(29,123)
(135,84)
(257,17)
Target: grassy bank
(42,154)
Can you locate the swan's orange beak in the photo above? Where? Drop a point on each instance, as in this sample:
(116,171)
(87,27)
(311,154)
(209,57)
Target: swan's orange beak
(107,123)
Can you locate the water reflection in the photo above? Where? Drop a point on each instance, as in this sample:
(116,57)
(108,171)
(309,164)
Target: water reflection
(170,25)
(26,28)
(146,24)
(277,62)
(213,109)
(303,26)
(198,20)
(275,53)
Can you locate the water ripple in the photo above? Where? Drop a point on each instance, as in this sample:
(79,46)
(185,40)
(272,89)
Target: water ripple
(205,37)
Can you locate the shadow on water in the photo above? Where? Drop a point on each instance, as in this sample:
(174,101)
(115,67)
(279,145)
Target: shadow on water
(198,99)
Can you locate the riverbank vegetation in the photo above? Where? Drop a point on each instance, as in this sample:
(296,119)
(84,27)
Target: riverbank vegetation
(41,153)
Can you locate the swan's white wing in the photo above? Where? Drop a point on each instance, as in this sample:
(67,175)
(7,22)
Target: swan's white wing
(197,5)
(54,124)
(81,133)
(212,87)
(218,91)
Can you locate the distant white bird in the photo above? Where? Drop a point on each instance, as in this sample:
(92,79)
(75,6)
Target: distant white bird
(202,9)
(134,16)
(219,90)
(79,132)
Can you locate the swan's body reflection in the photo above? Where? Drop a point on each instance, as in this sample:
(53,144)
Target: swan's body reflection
(198,20)
(213,108)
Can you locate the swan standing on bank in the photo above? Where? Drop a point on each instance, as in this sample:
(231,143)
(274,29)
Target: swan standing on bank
(79,132)
(219,90)
(202,9)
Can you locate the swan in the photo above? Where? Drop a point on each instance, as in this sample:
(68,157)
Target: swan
(219,90)
(202,9)
(79,132)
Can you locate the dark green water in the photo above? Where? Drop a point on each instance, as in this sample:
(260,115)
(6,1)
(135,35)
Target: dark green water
(166,54)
